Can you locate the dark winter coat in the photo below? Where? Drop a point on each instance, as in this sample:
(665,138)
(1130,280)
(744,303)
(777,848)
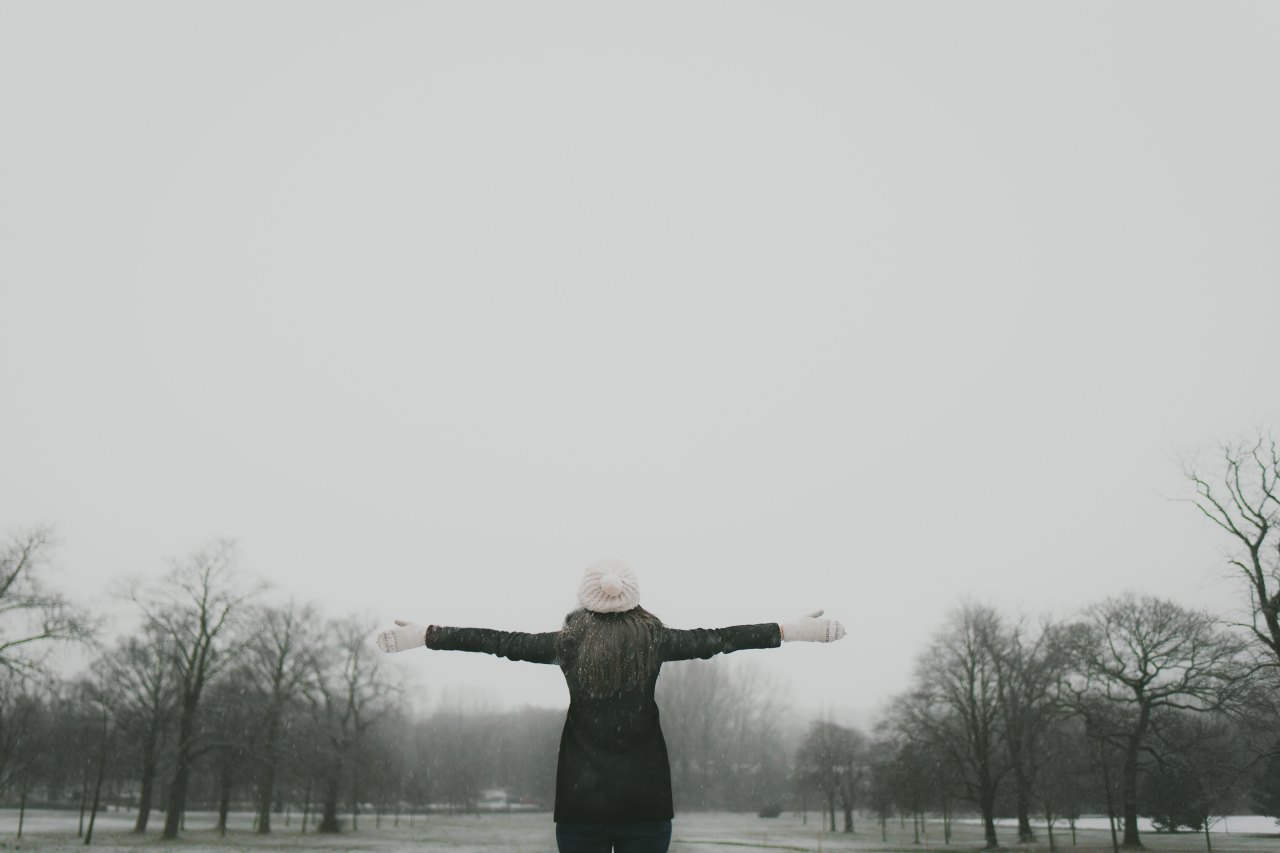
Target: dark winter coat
(613,764)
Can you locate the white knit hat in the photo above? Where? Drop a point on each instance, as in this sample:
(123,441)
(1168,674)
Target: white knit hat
(609,586)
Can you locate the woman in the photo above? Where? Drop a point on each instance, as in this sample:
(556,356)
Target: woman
(613,780)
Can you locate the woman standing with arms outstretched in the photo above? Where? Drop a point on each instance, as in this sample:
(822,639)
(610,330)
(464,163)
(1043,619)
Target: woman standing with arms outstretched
(613,780)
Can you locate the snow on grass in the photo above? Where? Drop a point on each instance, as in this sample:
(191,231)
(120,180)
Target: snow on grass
(55,832)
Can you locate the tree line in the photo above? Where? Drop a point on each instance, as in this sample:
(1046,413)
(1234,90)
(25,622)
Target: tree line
(213,694)
(220,701)
(1138,706)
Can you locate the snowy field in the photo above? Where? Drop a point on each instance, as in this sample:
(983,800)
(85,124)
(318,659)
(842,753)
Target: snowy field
(526,833)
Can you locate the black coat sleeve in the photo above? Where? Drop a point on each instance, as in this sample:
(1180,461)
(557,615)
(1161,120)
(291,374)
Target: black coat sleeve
(705,642)
(512,645)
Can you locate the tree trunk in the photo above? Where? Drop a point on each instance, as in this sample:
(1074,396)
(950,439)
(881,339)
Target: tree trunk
(988,806)
(329,819)
(177,800)
(1048,823)
(946,820)
(1129,779)
(97,785)
(1022,788)
(224,796)
(355,799)
(1025,834)
(1129,795)
(84,800)
(831,807)
(148,784)
(181,770)
(1111,805)
(266,784)
(22,810)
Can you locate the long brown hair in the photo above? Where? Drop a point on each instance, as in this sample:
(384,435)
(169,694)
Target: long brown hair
(609,653)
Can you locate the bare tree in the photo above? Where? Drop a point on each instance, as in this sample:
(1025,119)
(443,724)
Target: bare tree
(32,619)
(231,728)
(911,773)
(350,696)
(1106,728)
(882,781)
(279,662)
(62,748)
(31,615)
(22,716)
(98,694)
(955,706)
(1139,657)
(1064,787)
(143,680)
(1029,670)
(835,760)
(193,610)
(1242,497)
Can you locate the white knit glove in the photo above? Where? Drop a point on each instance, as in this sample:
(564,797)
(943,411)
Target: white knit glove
(403,637)
(811,629)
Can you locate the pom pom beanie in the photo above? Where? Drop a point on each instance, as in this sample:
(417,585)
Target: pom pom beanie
(609,586)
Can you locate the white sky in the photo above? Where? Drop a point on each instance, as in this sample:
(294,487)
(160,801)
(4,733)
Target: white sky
(873,307)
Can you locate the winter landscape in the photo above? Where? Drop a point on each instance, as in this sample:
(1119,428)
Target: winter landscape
(957,320)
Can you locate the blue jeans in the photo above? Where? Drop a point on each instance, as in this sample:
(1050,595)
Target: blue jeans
(654,837)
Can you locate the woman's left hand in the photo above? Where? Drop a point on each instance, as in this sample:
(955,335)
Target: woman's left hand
(403,637)
(809,628)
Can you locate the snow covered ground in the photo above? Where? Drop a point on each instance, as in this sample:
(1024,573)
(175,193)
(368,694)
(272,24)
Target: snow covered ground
(526,833)
(1249,824)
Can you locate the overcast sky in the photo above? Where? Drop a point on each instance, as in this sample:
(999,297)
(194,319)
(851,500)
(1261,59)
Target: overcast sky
(872,307)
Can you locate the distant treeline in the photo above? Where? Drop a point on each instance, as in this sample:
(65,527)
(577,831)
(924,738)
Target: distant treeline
(1138,706)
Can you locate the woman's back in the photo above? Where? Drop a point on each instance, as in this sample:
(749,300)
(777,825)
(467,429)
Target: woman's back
(613,777)
(613,764)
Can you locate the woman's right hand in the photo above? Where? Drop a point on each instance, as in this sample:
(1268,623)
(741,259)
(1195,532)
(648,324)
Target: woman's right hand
(811,629)
(403,637)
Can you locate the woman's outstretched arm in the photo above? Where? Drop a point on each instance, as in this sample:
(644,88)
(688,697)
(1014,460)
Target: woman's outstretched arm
(707,642)
(681,644)
(513,645)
